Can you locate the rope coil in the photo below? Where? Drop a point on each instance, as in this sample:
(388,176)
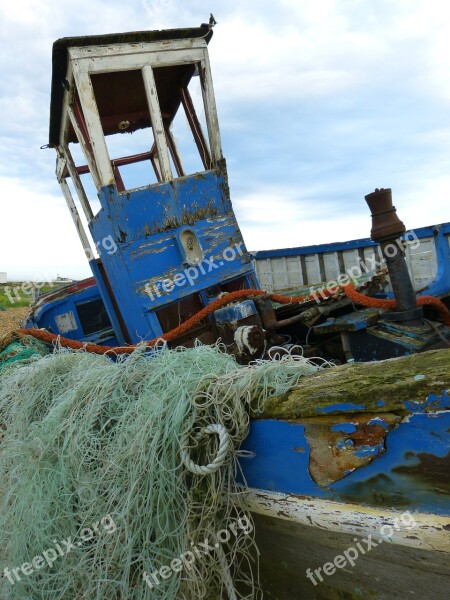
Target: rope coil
(219,461)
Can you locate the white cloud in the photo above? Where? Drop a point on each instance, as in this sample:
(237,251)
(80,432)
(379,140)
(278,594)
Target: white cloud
(319,103)
(38,238)
(270,218)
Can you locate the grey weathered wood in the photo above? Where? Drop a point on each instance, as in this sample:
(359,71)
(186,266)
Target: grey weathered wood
(421,261)
(386,572)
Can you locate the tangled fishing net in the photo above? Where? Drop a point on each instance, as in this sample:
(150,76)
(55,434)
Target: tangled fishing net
(118,479)
(19,351)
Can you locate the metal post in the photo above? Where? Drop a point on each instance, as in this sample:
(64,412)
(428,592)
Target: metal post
(387,230)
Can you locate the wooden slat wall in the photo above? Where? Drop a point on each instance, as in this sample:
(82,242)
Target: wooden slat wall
(284,273)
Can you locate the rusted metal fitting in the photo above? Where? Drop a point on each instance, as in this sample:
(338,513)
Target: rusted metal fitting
(268,316)
(385,223)
(386,229)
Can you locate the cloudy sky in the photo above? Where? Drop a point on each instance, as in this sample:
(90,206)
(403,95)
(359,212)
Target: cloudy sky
(319,103)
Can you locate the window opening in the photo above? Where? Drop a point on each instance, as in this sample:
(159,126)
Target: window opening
(125,118)
(93,316)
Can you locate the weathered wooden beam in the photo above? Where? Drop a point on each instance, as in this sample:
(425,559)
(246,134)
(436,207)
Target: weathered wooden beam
(416,383)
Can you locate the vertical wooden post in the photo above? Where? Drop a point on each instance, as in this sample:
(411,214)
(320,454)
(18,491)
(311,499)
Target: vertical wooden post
(157,123)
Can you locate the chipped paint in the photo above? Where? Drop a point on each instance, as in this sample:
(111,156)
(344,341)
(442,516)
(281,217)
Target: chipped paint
(144,222)
(433,402)
(189,216)
(390,475)
(344,428)
(378,421)
(430,532)
(338,408)
(338,447)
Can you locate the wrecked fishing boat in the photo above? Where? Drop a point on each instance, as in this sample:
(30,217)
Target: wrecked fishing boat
(347,472)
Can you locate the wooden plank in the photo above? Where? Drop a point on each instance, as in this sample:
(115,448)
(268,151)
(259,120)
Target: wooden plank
(278,272)
(76,219)
(312,268)
(392,381)
(68,95)
(304,269)
(196,128)
(341,263)
(269,275)
(84,201)
(81,131)
(61,167)
(130,62)
(157,123)
(387,572)
(212,119)
(323,276)
(422,263)
(90,159)
(331,266)
(108,50)
(92,118)
(430,532)
(351,259)
(301,271)
(294,271)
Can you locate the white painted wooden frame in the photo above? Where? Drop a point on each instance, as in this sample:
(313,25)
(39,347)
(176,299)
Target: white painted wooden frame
(61,167)
(157,123)
(68,95)
(84,201)
(157,59)
(89,159)
(145,56)
(94,125)
(119,50)
(67,119)
(209,101)
(130,62)
(74,213)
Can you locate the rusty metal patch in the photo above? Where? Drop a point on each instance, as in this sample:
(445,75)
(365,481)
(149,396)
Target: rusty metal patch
(341,444)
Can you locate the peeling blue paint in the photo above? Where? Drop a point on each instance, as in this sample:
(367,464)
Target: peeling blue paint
(366,450)
(434,401)
(344,407)
(344,428)
(146,222)
(345,444)
(383,481)
(379,421)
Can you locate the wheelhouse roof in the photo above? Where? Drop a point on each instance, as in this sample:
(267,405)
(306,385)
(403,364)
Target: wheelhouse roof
(112,105)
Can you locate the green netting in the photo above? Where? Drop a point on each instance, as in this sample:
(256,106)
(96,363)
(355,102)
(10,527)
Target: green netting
(21,351)
(92,445)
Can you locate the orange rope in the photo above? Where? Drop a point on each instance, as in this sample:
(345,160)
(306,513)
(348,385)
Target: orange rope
(358,298)
(172,335)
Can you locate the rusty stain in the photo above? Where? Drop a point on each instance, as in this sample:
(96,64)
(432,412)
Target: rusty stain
(334,454)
